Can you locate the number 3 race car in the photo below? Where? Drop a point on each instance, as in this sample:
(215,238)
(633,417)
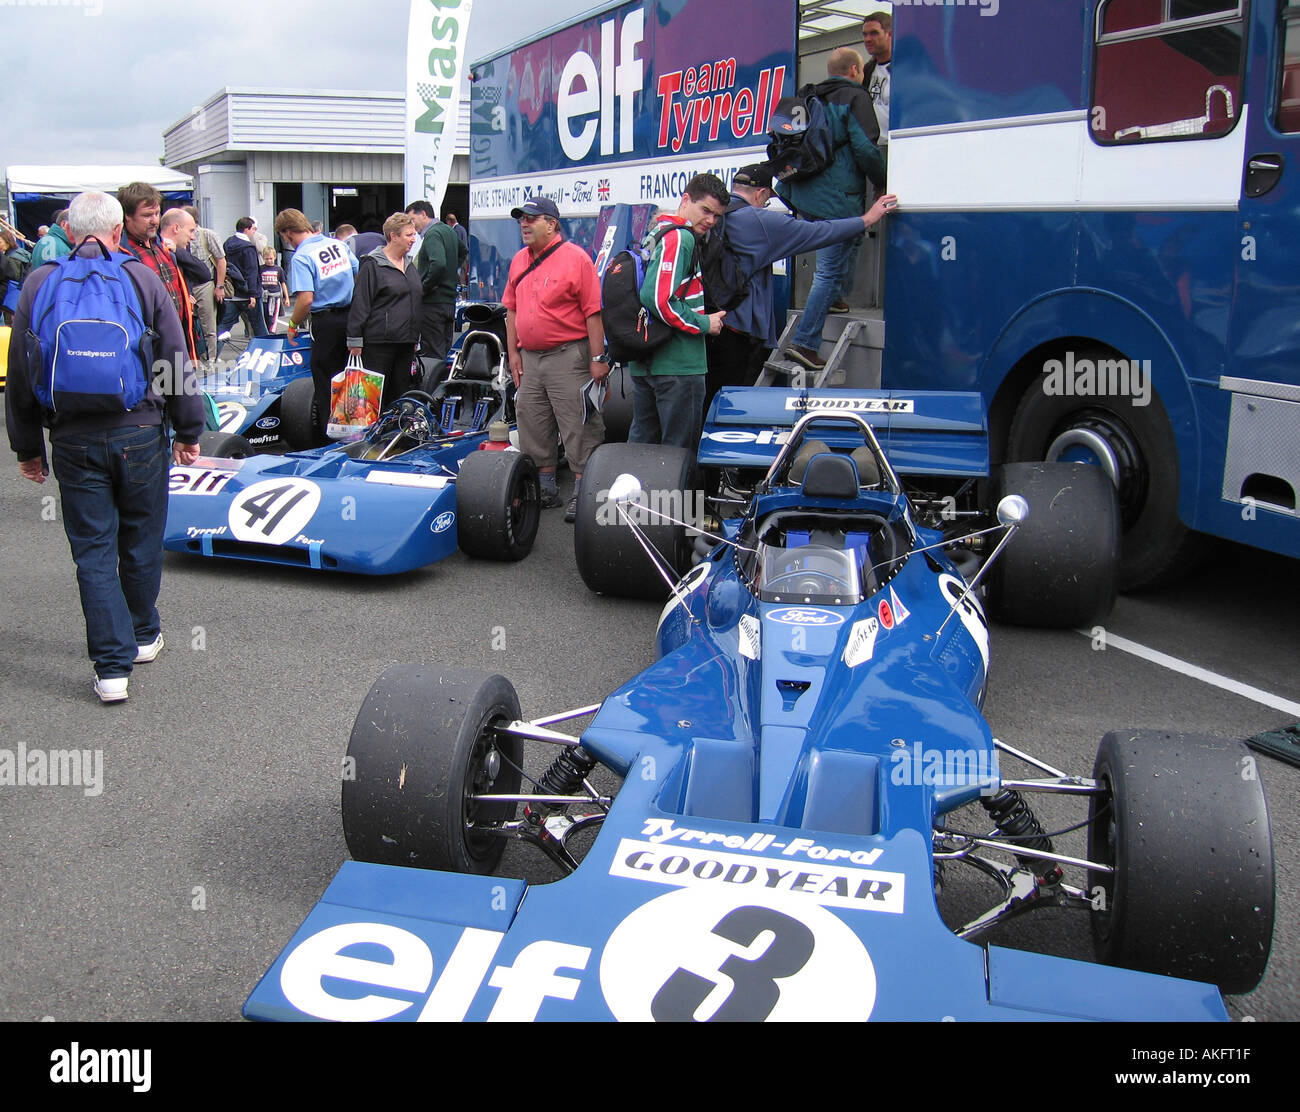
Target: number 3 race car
(799,768)
(401,497)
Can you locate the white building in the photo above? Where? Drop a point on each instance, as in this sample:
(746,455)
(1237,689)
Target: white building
(336,155)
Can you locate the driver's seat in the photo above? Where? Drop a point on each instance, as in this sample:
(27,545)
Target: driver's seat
(830,475)
(472,380)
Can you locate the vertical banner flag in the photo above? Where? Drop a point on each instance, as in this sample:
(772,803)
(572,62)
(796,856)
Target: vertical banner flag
(435,62)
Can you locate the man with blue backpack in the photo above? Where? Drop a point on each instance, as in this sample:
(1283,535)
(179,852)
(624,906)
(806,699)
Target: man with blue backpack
(89,330)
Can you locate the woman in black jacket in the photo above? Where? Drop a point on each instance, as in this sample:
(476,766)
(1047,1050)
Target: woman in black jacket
(384,321)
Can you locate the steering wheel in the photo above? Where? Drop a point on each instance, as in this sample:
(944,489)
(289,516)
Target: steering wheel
(811,583)
(414,415)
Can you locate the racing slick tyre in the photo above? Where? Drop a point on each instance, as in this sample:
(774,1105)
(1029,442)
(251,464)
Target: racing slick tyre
(422,746)
(610,557)
(225,445)
(617,413)
(498,505)
(1184,824)
(1060,569)
(298,414)
(1135,443)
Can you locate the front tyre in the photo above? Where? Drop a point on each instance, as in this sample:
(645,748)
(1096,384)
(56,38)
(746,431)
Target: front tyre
(498,505)
(1184,824)
(422,747)
(225,445)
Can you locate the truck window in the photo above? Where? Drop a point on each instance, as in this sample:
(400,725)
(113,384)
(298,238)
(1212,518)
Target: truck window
(1288,100)
(1167,69)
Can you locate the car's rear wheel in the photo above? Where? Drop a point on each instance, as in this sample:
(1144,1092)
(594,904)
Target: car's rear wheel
(298,424)
(610,557)
(617,413)
(225,445)
(1061,568)
(498,505)
(1184,825)
(423,747)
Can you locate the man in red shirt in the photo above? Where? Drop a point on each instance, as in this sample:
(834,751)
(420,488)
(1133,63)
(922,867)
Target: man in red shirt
(555,341)
(142,208)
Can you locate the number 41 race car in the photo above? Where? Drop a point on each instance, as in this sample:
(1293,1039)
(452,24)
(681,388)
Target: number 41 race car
(802,769)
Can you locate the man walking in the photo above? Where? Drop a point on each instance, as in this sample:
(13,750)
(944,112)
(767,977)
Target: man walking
(439,260)
(243,272)
(110,458)
(668,388)
(760,236)
(321,277)
(555,340)
(838,191)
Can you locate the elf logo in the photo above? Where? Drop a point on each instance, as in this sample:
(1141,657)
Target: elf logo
(587,92)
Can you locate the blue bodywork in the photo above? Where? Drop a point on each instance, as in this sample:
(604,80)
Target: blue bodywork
(769,854)
(381,505)
(247,395)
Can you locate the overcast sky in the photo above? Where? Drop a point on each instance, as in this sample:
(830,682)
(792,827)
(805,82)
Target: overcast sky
(98,81)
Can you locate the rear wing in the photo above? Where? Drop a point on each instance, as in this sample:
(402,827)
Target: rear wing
(922,432)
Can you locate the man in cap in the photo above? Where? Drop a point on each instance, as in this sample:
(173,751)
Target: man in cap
(760,236)
(555,342)
(439,260)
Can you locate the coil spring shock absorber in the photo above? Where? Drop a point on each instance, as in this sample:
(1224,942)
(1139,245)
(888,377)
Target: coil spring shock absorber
(1015,818)
(566,774)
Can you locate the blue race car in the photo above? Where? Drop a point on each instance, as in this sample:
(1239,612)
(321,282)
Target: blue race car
(266,396)
(794,769)
(406,494)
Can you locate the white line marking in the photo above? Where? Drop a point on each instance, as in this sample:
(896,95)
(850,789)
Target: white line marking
(1202,674)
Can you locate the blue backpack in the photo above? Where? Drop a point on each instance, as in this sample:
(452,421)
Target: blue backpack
(88,349)
(801,139)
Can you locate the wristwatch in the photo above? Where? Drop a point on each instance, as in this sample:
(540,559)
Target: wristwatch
(600,358)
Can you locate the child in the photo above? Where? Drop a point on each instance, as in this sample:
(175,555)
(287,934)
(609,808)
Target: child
(275,293)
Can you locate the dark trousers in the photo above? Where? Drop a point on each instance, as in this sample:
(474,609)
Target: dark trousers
(329,352)
(393,361)
(735,359)
(113,489)
(436,320)
(235,307)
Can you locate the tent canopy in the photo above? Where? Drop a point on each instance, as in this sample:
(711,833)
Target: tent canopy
(74,179)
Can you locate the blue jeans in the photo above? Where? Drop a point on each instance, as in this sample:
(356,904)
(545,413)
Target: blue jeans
(667,409)
(235,307)
(833,276)
(113,488)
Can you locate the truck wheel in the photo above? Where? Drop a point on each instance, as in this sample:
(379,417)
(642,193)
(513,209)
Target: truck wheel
(498,505)
(617,413)
(298,424)
(225,445)
(1060,569)
(1184,824)
(423,746)
(1134,445)
(610,558)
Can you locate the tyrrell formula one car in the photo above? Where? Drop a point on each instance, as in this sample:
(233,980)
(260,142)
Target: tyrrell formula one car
(403,496)
(264,397)
(798,770)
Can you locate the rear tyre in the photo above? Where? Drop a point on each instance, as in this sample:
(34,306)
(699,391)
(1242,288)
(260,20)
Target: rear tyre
(498,505)
(1184,824)
(610,559)
(1137,445)
(1061,568)
(617,413)
(422,746)
(298,423)
(225,445)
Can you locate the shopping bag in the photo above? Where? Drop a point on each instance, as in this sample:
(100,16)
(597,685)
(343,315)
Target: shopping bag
(354,399)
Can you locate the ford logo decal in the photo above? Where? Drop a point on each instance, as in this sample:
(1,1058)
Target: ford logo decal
(443,522)
(805,616)
(268,422)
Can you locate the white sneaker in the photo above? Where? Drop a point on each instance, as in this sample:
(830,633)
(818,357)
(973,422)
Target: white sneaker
(145,653)
(222,337)
(111,690)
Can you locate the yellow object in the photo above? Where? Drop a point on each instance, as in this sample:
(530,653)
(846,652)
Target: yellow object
(5,331)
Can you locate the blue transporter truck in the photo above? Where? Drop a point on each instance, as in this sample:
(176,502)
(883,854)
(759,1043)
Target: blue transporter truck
(1098,202)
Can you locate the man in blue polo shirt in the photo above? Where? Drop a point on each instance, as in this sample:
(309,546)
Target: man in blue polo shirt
(320,283)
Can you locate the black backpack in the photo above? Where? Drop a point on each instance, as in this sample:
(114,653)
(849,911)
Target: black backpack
(631,330)
(726,281)
(801,139)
